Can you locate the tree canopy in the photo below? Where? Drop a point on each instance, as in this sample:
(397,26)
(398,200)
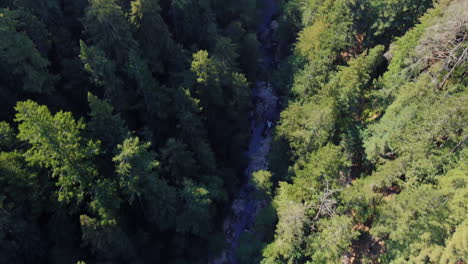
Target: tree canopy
(128,131)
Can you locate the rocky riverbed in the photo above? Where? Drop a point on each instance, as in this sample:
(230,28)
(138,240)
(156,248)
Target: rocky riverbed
(245,206)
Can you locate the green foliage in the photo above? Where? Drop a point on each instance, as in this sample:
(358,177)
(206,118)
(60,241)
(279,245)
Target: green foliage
(23,64)
(326,32)
(192,130)
(103,72)
(318,41)
(56,143)
(133,163)
(105,124)
(308,126)
(290,230)
(207,74)
(223,95)
(195,217)
(7,136)
(138,180)
(362,199)
(300,204)
(108,29)
(248,251)
(365,153)
(420,222)
(34,28)
(178,161)
(202,66)
(18,185)
(262,181)
(333,239)
(402,55)
(351,82)
(361,147)
(194,22)
(154,36)
(154,99)
(412,222)
(421,134)
(395,17)
(106,239)
(456,249)
(265,223)
(322,168)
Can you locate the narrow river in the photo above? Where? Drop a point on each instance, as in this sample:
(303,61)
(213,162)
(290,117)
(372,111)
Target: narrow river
(245,206)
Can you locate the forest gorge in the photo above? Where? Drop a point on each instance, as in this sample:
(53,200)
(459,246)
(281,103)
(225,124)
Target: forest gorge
(127,127)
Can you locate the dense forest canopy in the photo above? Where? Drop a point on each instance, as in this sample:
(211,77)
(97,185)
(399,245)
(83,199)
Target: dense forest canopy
(124,126)
(374,133)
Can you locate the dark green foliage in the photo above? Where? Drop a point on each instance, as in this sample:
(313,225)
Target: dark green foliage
(395,17)
(108,29)
(103,72)
(19,236)
(23,65)
(154,37)
(138,180)
(137,151)
(196,213)
(19,186)
(193,23)
(179,162)
(104,124)
(249,55)
(106,240)
(20,205)
(137,141)
(7,136)
(223,95)
(249,249)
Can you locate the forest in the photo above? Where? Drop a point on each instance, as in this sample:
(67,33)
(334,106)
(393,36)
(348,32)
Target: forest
(234,131)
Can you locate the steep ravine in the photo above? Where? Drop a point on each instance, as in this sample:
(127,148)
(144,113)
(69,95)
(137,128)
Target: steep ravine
(245,207)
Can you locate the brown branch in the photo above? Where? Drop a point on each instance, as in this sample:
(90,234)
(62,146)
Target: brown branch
(459,145)
(460,59)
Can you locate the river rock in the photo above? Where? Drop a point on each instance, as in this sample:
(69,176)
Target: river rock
(238,206)
(274,25)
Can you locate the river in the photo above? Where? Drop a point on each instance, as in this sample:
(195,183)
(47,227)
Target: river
(245,206)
